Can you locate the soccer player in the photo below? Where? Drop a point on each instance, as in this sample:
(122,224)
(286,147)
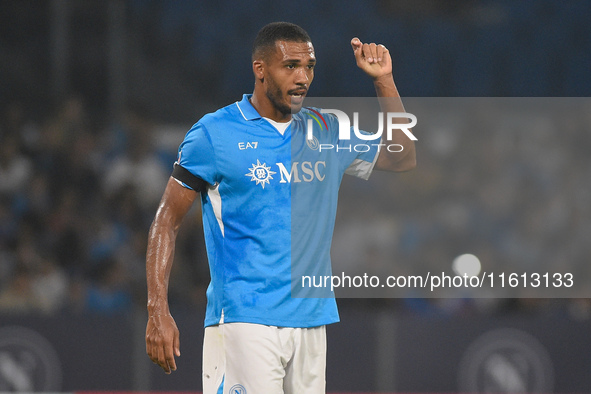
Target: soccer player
(269,198)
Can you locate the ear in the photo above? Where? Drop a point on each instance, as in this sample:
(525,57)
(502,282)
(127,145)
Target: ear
(258,68)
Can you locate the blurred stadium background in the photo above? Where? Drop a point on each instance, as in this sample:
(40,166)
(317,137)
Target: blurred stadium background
(95,97)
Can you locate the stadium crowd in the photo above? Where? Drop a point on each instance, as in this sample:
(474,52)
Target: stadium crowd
(76,203)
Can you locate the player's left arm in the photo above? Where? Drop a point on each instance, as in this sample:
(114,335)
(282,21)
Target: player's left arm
(375,61)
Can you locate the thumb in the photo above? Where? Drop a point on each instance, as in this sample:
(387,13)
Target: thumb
(356,44)
(177,345)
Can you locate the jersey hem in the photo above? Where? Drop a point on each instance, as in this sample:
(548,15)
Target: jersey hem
(276,323)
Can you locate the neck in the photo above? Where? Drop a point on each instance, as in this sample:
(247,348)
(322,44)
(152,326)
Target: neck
(265,107)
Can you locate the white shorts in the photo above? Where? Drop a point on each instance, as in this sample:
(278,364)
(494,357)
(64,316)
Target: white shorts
(244,358)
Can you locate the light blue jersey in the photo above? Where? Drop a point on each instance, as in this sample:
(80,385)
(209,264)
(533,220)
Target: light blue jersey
(269,216)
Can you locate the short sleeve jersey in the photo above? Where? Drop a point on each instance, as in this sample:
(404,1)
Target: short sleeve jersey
(269,213)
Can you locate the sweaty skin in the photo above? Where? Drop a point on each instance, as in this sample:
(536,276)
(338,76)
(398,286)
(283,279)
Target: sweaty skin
(281,83)
(162,334)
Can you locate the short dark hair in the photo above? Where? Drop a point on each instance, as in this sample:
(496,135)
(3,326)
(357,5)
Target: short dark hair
(265,40)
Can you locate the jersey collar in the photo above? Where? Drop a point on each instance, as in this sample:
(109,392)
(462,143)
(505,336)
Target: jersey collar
(246,109)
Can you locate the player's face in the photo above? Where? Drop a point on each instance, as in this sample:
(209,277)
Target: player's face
(288,75)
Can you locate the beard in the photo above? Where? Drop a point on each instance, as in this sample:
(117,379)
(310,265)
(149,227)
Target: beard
(275,95)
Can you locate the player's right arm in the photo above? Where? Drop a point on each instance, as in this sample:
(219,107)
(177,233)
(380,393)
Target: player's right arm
(162,334)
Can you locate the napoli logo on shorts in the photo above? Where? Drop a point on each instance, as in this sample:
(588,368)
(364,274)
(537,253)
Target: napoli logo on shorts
(260,174)
(237,389)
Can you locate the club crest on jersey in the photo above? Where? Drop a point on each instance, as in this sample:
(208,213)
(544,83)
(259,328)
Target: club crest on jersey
(260,173)
(313,143)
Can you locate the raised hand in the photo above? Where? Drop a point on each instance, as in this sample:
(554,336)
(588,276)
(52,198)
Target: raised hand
(372,58)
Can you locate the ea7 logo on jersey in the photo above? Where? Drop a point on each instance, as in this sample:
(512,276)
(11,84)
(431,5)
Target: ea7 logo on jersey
(248,145)
(260,173)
